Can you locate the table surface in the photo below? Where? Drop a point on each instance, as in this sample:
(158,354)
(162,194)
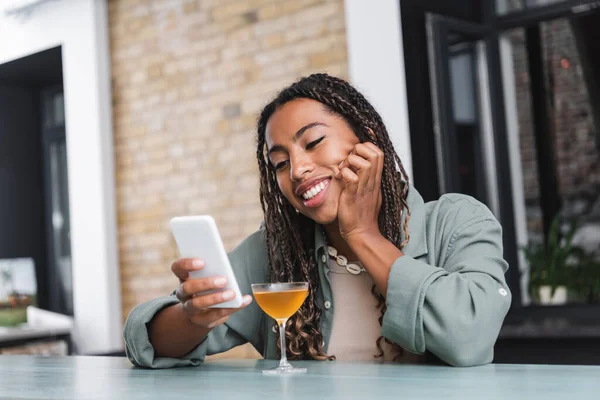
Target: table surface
(26,332)
(30,377)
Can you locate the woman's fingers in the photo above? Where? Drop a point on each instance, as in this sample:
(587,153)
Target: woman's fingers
(366,161)
(375,157)
(362,168)
(202,301)
(182,267)
(196,302)
(191,287)
(211,317)
(350,179)
(380,157)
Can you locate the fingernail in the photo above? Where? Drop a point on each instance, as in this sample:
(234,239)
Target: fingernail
(247,300)
(197,263)
(220,282)
(228,295)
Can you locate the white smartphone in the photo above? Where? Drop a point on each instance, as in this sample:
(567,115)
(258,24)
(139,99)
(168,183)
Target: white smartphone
(198,237)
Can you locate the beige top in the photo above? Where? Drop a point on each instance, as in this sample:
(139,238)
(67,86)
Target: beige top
(356,325)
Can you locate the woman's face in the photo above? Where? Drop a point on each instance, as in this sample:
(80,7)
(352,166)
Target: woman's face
(305,144)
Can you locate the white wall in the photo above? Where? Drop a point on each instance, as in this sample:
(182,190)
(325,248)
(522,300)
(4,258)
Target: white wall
(80,27)
(376,64)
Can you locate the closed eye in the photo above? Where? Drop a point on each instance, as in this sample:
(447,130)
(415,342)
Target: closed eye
(280,165)
(316,142)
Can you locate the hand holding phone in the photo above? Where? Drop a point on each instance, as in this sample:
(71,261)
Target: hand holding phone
(201,297)
(208,290)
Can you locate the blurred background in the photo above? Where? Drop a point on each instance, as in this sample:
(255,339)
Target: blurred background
(116,115)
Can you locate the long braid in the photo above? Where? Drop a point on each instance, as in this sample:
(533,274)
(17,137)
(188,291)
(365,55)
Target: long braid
(290,235)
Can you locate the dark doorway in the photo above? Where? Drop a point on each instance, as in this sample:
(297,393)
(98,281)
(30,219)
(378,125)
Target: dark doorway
(34,207)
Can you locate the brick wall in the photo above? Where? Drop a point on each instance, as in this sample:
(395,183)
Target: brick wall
(576,153)
(576,157)
(188,79)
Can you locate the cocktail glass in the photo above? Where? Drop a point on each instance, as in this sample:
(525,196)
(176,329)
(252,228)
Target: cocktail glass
(280,301)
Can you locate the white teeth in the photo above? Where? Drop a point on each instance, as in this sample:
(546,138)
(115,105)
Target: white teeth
(312,192)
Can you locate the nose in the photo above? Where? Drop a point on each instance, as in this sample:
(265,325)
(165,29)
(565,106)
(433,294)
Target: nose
(299,166)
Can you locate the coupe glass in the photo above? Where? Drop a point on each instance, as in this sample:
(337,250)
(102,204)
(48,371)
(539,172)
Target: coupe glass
(280,301)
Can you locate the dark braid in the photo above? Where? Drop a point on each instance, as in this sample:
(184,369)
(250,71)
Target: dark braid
(290,235)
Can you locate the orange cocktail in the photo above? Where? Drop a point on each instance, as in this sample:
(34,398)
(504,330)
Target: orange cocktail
(280,301)
(281,305)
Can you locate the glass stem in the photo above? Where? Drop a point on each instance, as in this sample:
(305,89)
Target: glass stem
(283,363)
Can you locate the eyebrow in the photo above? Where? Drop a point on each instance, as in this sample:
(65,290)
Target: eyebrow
(297,136)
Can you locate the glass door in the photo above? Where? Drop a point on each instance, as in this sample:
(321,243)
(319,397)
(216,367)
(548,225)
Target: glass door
(461,107)
(60,291)
(554,99)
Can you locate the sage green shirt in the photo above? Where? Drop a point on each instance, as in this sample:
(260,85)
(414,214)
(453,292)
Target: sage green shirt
(447,294)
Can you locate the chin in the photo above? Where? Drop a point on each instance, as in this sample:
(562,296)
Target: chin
(323,218)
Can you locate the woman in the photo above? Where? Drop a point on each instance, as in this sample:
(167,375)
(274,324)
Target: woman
(424,277)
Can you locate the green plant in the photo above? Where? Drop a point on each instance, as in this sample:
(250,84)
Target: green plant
(585,279)
(559,262)
(548,262)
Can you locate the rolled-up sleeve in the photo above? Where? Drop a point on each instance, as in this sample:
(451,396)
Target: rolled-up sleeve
(140,352)
(250,263)
(454,310)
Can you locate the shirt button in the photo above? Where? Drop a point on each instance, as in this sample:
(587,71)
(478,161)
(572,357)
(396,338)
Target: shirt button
(327,305)
(502,291)
(324,258)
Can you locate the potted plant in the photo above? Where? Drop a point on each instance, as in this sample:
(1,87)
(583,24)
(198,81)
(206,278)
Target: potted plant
(585,279)
(560,267)
(551,264)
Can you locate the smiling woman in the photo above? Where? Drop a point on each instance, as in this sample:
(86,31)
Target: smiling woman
(307,161)
(390,277)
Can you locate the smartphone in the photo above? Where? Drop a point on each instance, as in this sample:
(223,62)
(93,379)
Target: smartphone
(198,237)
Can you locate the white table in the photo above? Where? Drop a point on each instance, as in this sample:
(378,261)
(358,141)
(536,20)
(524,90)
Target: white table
(30,377)
(41,325)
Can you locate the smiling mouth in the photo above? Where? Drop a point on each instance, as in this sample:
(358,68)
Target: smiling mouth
(315,190)
(315,196)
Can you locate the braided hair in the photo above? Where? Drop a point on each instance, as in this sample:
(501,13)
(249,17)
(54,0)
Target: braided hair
(290,235)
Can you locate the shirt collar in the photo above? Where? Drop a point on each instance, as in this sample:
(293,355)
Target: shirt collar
(417,243)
